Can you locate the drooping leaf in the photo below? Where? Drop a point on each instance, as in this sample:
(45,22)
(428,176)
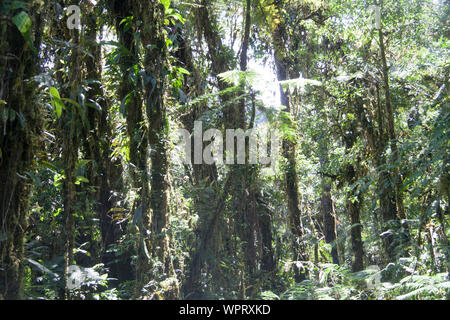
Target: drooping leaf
(23,23)
(42,268)
(57,103)
(81,179)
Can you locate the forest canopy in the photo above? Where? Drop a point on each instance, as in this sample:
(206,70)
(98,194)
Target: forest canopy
(210,149)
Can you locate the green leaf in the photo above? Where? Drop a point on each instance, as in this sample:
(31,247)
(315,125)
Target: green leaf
(23,23)
(81,179)
(183,71)
(57,103)
(125,102)
(166,4)
(49,166)
(175,16)
(76,104)
(42,268)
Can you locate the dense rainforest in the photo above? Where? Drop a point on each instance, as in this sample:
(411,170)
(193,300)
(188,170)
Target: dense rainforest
(117,115)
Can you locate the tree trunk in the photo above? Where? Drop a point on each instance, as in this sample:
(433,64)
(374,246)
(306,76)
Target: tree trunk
(290,172)
(17,146)
(393,208)
(329,221)
(354,208)
(103,173)
(69,124)
(155,84)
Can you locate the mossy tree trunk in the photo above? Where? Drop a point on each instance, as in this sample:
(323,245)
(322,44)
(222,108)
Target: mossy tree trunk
(282,65)
(20,127)
(155,214)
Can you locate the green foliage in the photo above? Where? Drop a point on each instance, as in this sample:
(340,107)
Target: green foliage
(331,282)
(233,229)
(23,23)
(57,103)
